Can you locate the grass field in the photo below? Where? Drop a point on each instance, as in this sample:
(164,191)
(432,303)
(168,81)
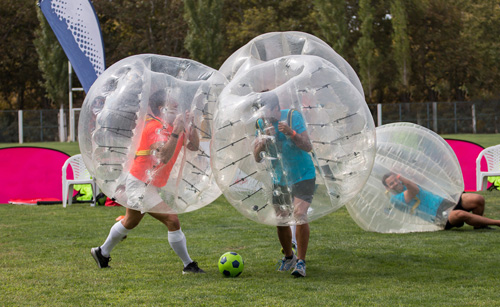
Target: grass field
(45,261)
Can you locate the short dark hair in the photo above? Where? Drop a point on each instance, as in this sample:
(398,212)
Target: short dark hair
(156,100)
(384,178)
(269,100)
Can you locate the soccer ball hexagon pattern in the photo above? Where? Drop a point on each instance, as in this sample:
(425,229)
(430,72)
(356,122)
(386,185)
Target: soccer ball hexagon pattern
(231,264)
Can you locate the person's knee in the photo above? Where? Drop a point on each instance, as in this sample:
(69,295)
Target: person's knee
(300,210)
(480,200)
(170,220)
(173,219)
(458,216)
(132,219)
(475,200)
(130,223)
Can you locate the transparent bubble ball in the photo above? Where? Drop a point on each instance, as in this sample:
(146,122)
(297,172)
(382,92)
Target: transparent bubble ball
(117,137)
(418,156)
(270,46)
(321,101)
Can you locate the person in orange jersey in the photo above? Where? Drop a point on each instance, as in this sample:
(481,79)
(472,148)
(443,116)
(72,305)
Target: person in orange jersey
(162,139)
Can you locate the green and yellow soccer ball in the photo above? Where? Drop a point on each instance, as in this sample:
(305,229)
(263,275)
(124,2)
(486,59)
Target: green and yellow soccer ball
(231,264)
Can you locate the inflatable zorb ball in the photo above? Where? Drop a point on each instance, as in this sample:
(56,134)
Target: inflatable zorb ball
(310,95)
(410,159)
(126,123)
(274,45)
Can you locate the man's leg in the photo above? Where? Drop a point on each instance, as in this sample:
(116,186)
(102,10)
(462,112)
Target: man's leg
(302,240)
(473,203)
(116,234)
(120,230)
(456,217)
(285,237)
(302,234)
(177,241)
(302,231)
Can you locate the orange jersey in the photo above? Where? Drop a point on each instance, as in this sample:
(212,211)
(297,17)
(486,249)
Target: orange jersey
(147,166)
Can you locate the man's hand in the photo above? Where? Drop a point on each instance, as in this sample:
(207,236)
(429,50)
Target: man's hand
(269,130)
(178,124)
(193,138)
(285,129)
(259,145)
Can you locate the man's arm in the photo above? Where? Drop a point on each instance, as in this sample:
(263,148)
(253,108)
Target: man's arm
(411,189)
(168,150)
(301,140)
(193,139)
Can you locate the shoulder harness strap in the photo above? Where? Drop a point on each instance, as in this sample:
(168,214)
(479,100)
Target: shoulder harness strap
(289,117)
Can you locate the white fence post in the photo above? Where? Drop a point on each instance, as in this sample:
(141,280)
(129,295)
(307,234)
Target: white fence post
(62,125)
(20,125)
(379,114)
(73,124)
(434,117)
(474,118)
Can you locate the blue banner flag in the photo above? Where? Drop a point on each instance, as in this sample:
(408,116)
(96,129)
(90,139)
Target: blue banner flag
(77,28)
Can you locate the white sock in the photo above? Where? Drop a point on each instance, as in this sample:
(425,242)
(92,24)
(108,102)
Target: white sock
(116,234)
(177,241)
(294,230)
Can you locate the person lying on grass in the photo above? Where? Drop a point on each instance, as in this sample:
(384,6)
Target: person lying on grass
(409,196)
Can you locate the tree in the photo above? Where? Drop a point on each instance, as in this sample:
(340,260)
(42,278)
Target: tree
(481,29)
(19,74)
(131,27)
(204,38)
(366,51)
(438,67)
(333,22)
(52,62)
(247,19)
(401,45)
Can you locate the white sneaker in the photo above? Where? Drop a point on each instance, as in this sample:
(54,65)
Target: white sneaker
(300,269)
(286,264)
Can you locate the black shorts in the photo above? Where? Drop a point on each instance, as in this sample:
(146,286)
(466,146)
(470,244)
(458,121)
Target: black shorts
(303,190)
(457,207)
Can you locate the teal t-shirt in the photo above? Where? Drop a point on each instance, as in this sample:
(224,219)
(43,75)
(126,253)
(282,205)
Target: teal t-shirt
(297,163)
(427,209)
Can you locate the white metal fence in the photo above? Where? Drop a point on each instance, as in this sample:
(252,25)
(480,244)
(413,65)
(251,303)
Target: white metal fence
(442,117)
(36,125)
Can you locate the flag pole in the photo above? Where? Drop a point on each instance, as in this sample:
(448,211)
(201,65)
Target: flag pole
(71,119)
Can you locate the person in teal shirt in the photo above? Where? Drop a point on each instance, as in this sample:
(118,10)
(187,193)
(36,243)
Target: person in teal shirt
(425,203)
(408,196)
(282,137)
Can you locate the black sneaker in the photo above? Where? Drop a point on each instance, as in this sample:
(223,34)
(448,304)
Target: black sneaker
(102,261)
(192,268)
(483,228)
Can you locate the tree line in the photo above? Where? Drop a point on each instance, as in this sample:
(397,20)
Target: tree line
(402,50)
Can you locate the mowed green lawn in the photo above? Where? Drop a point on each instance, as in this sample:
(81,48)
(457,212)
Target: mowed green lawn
(45,261)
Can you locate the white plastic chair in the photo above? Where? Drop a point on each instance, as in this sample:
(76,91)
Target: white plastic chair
(80,176)
(492,156)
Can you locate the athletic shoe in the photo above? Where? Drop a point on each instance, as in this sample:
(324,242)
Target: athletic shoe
(192,268)
(286,264)
(300,269)
(294,249)
(483,228)
(102,261)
